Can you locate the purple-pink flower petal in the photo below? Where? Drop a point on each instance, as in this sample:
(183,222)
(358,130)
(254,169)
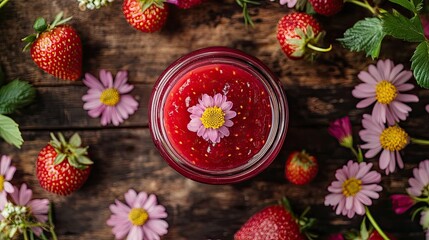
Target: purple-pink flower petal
(116,112)
(352,190)
(385,72)
(207,103)
(153,227)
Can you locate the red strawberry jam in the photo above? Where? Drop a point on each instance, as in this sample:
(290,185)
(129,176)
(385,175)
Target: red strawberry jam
(251,124)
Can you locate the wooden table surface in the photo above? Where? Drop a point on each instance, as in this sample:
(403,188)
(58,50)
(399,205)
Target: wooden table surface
(125,156)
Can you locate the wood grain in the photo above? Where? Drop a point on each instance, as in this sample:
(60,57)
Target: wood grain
(126,157)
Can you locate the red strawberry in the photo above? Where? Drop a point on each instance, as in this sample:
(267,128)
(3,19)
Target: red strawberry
(145,15)
(273,222)
(327,7)
(301,168)
(376,236)
(63,167)
(185,4)
(297,32)
(56,48)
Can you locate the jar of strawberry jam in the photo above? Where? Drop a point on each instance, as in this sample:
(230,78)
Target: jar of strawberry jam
(218,115)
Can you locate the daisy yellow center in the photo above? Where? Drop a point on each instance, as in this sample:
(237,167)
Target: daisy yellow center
(1,183)
(385,92)
(393,138)
(110,97)
(351,187)
(138,216)
(213,117)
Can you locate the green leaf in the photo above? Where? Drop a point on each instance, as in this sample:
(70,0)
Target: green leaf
(30,38)
(57,18)
(80,151)
(398,26)
(406,4)
(40,25)
(366,35)
(9,131)
(418,5)
(363,229)
(420,64)
(84,160)
(73,161)
(15,95)
(75,140)
(60,158)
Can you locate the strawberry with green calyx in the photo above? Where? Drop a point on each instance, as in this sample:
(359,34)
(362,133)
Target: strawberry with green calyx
(301,168)
(298,34)
(145,15)
(276,222)
(56,48)
(185,4)
(63,167)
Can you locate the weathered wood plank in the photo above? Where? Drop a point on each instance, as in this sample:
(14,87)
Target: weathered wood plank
(109,42)
(127,159)
(61,107)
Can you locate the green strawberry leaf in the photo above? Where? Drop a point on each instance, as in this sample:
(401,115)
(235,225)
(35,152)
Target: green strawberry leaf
(30,38)
(9,131)
(398,26)
(60,158)
(75,140)
(57,18)
(406,4)
(80,151)
(366,35)
(84,160)
(74,163)
(40,25)
(15,95)
(364,230)
(420,64)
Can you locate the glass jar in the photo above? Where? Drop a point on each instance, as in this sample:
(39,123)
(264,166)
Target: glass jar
(218,115)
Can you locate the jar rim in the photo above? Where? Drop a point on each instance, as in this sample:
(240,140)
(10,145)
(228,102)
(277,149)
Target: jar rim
(276,135)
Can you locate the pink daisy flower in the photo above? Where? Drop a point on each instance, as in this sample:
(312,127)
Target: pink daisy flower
(419,184)
(140,218)
(388,140)
(6,174)
(353,189)
(108,98)
(38,208)
(384,84)
(211,117)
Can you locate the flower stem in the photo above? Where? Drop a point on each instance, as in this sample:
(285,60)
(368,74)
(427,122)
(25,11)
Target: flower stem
(43,236)
(358,154)
(2,3)
(25,234)
(51,224)
(319,49)
(375,225)
(31,235)
(419,141)
(364,4)
(421,199)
